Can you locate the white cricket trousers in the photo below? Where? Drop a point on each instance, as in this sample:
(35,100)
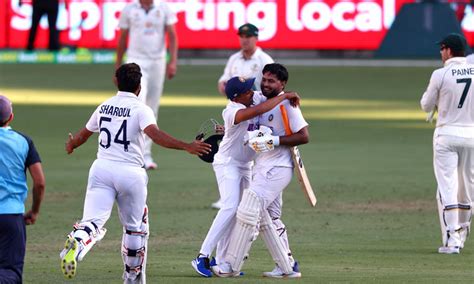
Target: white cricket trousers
(269,183)
(454,170)
(153,78)
(232,179)
(110,181)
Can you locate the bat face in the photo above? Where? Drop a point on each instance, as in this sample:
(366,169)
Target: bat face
(302,176)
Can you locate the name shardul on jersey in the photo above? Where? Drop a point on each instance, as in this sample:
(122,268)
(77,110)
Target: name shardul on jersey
(115,111)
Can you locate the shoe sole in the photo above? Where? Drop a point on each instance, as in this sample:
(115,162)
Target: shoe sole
(194,265)
(293,275)
(68,262)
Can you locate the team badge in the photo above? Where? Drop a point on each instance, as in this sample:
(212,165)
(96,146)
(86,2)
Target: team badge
(270,117)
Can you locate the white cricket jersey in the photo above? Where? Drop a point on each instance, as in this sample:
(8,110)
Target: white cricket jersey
(120,122)
(147,29)
(281,155)
(232,148)
(452,92)
(237,65)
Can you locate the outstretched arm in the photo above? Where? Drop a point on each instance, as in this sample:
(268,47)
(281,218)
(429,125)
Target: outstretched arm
(165,140)
(76,140)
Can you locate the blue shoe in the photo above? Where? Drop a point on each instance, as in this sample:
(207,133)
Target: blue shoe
(201,266)
(212,262)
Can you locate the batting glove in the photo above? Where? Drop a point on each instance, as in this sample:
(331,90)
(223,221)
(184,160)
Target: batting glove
(264,143)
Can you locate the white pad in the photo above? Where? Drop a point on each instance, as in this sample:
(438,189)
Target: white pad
(274,243)
(451,217)
(441,219)
(281,231)
(244,232)
(134,252)
(87,234)
(465,213)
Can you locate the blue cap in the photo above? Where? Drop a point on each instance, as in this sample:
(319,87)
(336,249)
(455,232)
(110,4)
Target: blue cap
(5,109)
(237,86)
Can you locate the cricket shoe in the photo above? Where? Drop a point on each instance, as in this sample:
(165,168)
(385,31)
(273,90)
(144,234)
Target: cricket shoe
(449,250)
(224,270)
(201,265)
(277,273)
(69,257)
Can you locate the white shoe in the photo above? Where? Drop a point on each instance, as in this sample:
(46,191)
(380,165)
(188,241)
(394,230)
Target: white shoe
(217,204)
(449,250)
(277,273)
(224,270)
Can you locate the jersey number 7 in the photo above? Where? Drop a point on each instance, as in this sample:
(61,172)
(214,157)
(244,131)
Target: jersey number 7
(466,81)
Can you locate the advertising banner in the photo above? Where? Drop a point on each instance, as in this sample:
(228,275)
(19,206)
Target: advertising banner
(283,24)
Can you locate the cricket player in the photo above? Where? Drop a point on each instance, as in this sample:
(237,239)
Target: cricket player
(248,62)
(272,173)
(232,164)
(145,23)
(450,91)
(118,174)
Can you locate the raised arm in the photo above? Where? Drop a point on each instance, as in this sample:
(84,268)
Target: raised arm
(165,140)
(39,185)
(76,140)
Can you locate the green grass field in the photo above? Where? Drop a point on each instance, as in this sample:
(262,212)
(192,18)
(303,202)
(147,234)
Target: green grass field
(369,159)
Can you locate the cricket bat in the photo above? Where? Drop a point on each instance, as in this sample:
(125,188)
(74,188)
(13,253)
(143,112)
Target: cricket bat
(298,161)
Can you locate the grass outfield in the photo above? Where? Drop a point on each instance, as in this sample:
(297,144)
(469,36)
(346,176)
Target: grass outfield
(369,160)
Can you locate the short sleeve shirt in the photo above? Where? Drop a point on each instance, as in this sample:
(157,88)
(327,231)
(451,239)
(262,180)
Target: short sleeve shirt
(281,155)
(17,153)
(237,65)
(120,122)
(147,29)
(232,148)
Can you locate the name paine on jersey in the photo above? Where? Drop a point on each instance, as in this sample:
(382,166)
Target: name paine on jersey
(462,71)
(114,111)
